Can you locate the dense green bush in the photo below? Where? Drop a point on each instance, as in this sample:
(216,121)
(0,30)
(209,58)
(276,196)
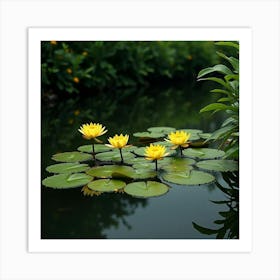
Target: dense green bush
(74,67)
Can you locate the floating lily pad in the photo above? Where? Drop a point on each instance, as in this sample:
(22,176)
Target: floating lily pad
(71,157)
(66,181)
(144,165)
(190,178)
(106,185)
(194,137)
(142,173)
(203,153)
(67,167)
(204,135)
(153,135)
(146,189)
(109,171)
(114,156)
(161,129)
(222,165)
(191,130)
(141,151)
(178,165)
(98,148)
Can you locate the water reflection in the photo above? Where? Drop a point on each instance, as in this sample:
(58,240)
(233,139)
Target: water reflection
(227,226)
(69,214)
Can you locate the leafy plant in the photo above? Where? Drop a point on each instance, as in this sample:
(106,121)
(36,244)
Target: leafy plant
(226,76)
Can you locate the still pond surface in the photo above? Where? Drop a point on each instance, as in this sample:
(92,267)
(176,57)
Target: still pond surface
(68,214)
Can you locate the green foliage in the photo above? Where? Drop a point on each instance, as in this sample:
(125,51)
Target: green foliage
(227,77)
(71,67)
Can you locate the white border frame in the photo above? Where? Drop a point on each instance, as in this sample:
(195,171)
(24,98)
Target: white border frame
(262,16)
(243,35)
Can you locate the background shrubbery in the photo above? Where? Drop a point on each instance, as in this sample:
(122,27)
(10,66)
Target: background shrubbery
(81,67)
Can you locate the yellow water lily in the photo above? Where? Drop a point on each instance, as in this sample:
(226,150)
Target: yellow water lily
(179,139)
(155,152)
(118,141)
(92,130)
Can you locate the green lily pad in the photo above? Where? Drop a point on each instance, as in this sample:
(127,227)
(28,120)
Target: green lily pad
(203,153)
(161,129)
(194,137)
(205,136)
(106,185)
(67,167)
(178,165)
(98,148)
(109,171)
(144,165)
(114,156)
(146,189)
(190,178)
(222,165)
(142,173)
(141,151)
(191,130)
(153,135)
(71,157)
(66,181)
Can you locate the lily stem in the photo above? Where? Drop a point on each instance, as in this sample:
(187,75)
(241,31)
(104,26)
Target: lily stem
(156,165)
(93,152)
(121,155)
(181,151)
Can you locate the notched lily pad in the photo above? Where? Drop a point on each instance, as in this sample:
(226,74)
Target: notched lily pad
(222,165)
(203,153)
(146,189)
(66,181)
(189,178)
(178,165)
(71,157)
(150,135)
(106,185)
(191,130)
(109,171)
(161,129)
(114,156)
(67,167)
(98,148)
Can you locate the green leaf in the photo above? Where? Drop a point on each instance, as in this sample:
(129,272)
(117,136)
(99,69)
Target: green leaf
(66,181)
(98,148)
(217,80)
(204,230)
(71,157)
(217,90)
(203,153)
(215,106)
(190,178)
(228,44)
(220,68)
(232,60)
(146,189)
(106,185)
(67,168)
(222,165)
(221,132)
(224,99)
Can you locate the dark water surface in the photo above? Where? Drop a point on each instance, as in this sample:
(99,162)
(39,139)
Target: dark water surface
(69,214)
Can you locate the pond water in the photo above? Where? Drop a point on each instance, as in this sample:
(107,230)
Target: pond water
(68,213)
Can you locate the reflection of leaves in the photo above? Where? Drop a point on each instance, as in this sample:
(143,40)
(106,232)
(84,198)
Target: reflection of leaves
(229,222)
